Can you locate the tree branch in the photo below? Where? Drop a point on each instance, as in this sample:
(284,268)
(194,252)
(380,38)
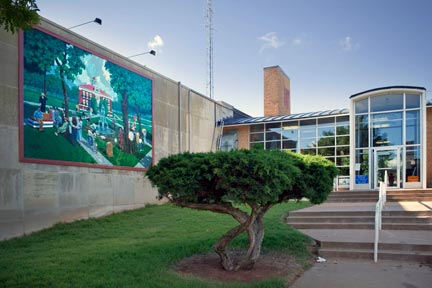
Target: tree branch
(236,213)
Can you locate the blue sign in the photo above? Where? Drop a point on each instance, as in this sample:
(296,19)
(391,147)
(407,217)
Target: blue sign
(361,179)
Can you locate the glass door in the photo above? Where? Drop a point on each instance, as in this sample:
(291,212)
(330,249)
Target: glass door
(387,159)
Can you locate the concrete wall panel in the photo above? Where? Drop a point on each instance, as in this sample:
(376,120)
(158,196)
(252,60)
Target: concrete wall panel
(8,105)
(40,190)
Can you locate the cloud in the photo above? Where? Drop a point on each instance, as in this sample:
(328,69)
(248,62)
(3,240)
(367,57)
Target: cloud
(297,41)
(156,43)
(347,44)
(271,40)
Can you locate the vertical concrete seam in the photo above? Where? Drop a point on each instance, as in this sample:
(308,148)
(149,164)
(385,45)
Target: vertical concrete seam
(189,121)
(179,116)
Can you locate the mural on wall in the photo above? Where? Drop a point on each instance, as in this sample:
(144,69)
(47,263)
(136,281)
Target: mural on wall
(80,109)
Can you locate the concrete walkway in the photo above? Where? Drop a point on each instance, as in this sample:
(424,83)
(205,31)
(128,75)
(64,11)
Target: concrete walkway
(366,274)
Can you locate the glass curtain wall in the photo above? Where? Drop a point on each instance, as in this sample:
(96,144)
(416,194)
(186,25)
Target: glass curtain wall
(326,136)
(386,124)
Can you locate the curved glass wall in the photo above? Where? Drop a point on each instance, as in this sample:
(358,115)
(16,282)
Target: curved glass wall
(326,136)
(388,139)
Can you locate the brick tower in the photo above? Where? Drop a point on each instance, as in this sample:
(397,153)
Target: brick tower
(277,98)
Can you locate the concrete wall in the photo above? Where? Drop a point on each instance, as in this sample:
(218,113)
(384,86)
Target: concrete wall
(36,196)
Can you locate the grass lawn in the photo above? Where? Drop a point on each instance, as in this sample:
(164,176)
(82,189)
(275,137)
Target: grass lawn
(134,249)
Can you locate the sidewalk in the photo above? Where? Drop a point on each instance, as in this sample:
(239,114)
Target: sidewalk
(348,273)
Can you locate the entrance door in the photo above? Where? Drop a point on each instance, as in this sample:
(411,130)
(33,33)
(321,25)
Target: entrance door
(387,159)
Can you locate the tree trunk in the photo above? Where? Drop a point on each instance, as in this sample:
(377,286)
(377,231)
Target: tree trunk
(256,235)
(44,82)
(65,96)
(220,247)
(124,107)
(139,118)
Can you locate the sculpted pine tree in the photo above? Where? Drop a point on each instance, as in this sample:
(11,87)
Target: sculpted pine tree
(221,182)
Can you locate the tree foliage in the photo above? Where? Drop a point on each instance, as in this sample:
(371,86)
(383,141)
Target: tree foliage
(260,179)
(18,14)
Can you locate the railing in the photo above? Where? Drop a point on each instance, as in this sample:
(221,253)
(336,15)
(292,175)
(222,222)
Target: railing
(382,198)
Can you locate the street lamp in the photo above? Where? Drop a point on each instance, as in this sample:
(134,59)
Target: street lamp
(152,52)
(96,20)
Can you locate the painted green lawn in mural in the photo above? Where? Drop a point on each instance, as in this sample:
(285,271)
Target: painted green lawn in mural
(106,107)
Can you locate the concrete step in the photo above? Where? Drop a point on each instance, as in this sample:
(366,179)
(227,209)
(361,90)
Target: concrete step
(399,198)
(360,219)
(392,195)
(407,226)
(331,219)
(350,200)
(301,213)
(386,251)
(415,248)
(307,225)
(360,225)
(354,194)
(317,214)
(407,219)
(422,257)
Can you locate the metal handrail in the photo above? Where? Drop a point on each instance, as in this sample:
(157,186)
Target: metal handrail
(382,198)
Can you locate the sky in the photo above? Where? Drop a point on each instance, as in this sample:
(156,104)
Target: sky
(330,49)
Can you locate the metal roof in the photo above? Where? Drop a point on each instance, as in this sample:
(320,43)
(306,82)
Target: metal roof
(387,88)
(258,120)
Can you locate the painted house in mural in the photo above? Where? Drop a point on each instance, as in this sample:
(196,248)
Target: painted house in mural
(88,91)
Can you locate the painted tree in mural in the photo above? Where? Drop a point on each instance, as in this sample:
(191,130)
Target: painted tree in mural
(259,179)
(38,56)
(127,85)
(44,51)
(69,64)
(141,101)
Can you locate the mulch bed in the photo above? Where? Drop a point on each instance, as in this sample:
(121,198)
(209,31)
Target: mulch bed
(269,265)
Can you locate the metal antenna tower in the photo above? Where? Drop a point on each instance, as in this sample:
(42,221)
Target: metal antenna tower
(209,26)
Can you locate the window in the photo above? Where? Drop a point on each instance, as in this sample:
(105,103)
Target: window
(361,106)
(362,131)
(412,127)
(386,102)
(387,129)
(412,101)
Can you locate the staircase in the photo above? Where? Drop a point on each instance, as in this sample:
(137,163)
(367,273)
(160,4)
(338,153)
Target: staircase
(372,196)
(346,229)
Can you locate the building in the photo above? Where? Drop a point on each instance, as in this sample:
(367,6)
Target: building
(47,178)
(385,129)
(88,93)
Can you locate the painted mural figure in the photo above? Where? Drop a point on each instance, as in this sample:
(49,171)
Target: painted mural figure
(63,128)
(39,117)
(42,101)
(79,127)
(74,126)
